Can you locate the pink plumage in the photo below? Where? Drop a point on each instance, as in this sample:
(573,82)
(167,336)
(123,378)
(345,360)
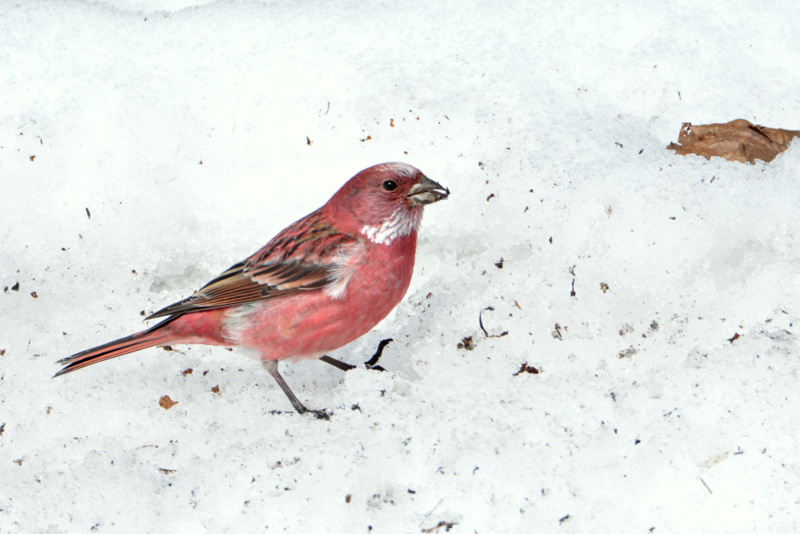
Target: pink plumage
(321,283)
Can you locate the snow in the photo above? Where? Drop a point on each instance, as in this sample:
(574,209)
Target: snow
(145,146)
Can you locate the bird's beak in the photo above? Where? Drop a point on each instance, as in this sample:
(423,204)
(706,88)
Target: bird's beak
(426,191)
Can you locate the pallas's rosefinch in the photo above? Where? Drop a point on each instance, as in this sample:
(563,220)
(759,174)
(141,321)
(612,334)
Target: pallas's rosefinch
(324,281)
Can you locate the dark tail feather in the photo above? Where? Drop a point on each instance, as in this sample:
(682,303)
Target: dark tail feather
(151,337)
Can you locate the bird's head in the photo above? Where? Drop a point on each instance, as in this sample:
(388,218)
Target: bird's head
(385,201)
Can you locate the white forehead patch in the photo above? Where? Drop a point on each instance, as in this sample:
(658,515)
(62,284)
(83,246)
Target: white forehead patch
(402,222)
(402,168)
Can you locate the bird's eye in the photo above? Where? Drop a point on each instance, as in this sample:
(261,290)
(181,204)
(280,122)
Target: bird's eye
(389,185)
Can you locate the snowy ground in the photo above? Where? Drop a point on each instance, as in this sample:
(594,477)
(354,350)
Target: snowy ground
(142,152)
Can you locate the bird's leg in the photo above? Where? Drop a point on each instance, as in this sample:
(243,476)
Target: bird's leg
(371,363)
(272,367)
(337,363)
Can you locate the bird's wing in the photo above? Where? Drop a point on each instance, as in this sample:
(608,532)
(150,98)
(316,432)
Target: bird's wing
(309,254)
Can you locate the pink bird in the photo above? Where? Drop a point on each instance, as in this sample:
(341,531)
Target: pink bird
(321,283)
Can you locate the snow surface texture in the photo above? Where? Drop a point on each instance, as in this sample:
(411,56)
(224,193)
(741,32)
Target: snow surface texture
(143,152)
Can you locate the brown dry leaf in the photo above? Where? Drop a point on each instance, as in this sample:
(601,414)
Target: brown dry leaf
(739,140)
(166,403)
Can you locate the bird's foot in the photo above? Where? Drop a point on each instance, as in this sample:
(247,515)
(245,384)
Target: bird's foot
(371,364)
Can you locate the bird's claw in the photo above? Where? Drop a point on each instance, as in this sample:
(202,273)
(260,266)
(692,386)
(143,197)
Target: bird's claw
(320,414)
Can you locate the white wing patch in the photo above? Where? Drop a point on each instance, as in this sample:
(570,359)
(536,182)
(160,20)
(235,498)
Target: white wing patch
(402,222)
(349,256)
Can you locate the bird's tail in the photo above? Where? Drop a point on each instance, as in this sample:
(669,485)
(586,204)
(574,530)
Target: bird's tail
(156,335)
